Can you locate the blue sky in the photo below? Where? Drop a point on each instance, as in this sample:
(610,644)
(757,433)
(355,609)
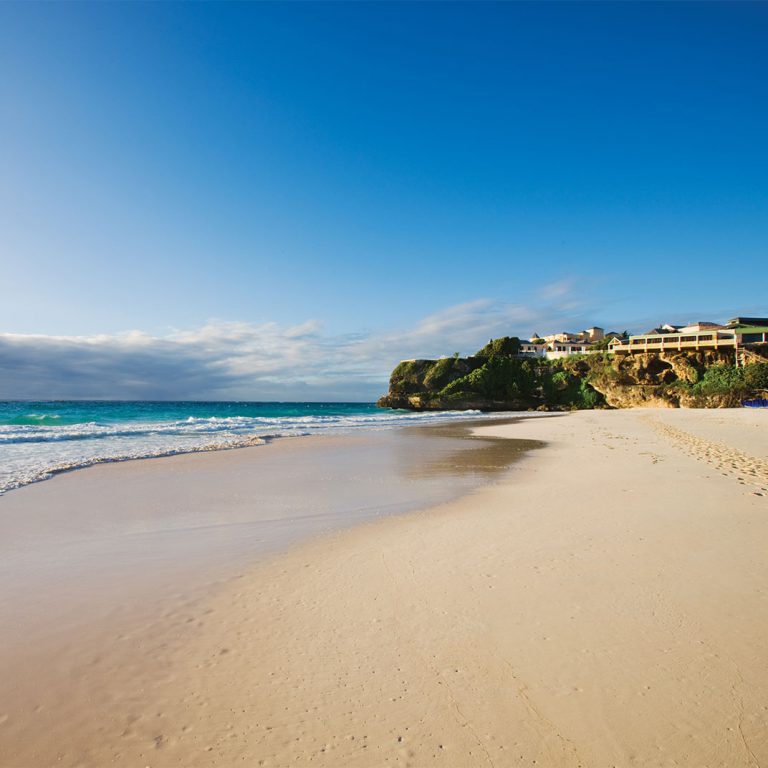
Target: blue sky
(379,180)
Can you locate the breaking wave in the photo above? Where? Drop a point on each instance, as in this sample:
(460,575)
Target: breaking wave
(36,445)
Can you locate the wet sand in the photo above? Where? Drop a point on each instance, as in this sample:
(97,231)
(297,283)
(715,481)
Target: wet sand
(601,602)
(102,539)
(95,558)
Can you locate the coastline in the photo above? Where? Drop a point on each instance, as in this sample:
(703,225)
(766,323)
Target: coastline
(42,439)
(601,603)
(157,529)
(96,560)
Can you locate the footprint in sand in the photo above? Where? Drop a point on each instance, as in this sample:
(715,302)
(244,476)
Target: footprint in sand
(729,461)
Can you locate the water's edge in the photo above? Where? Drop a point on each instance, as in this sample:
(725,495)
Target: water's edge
(41,440)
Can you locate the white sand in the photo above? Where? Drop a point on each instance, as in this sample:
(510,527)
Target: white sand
(605,605)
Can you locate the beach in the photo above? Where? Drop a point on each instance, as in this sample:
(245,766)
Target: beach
(597,599)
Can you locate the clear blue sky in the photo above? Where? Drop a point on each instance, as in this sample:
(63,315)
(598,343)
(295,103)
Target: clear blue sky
(366,166)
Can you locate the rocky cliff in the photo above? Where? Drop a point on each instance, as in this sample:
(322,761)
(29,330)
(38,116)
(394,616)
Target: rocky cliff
(707,379)
(496,379)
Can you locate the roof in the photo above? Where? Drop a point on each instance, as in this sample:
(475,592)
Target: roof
(727,331)
(759,321)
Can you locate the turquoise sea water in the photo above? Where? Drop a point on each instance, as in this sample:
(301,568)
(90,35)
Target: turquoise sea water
(40,438)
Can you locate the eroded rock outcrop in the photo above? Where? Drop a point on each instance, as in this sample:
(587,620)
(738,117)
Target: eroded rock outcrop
(497,379)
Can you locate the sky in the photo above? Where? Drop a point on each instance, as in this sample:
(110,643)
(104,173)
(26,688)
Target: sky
(280,201)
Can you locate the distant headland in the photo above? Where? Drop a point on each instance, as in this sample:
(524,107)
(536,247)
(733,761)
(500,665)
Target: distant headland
(699,365)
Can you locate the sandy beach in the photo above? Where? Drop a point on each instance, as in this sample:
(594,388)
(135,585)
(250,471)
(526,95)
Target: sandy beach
(601,602)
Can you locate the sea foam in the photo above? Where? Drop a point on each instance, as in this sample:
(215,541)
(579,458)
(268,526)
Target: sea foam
(34,445)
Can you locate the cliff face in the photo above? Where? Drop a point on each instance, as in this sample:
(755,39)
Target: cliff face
(678,380)
(496,380)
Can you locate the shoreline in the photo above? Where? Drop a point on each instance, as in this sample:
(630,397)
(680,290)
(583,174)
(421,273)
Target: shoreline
(608,614)
(257,438)
(109,549)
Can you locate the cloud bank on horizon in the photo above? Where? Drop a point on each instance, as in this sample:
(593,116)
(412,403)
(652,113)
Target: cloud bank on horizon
(226,360)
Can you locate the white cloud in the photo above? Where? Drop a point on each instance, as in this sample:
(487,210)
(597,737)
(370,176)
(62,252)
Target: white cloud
(237,360)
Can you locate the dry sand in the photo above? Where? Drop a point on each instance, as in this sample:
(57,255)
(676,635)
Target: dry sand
(605,604)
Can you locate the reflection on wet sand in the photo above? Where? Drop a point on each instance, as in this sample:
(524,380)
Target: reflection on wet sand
(143,533)
(94,562)
(459,452)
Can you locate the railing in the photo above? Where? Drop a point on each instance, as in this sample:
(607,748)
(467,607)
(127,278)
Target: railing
(641,345)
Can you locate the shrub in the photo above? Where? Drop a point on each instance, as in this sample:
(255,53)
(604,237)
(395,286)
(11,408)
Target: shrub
(442,372)
(756,376)
(720,379)
(507,346)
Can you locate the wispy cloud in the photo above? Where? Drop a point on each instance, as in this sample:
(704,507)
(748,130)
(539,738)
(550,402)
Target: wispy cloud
(556,290)
(236,360)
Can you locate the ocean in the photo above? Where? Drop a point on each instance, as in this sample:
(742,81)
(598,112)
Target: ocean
(39,439)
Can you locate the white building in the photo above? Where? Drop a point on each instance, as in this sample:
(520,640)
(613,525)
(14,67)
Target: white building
(560,349)
(563,344)
(532,349)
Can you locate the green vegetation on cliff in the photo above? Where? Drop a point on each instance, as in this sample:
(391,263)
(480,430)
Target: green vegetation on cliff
(507,346)
(496,378)
(690,379)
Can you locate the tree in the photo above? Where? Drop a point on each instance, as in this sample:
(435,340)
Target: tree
(507,346)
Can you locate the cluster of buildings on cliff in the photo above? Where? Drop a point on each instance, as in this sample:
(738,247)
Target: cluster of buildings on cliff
(567,343)
(738,334)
